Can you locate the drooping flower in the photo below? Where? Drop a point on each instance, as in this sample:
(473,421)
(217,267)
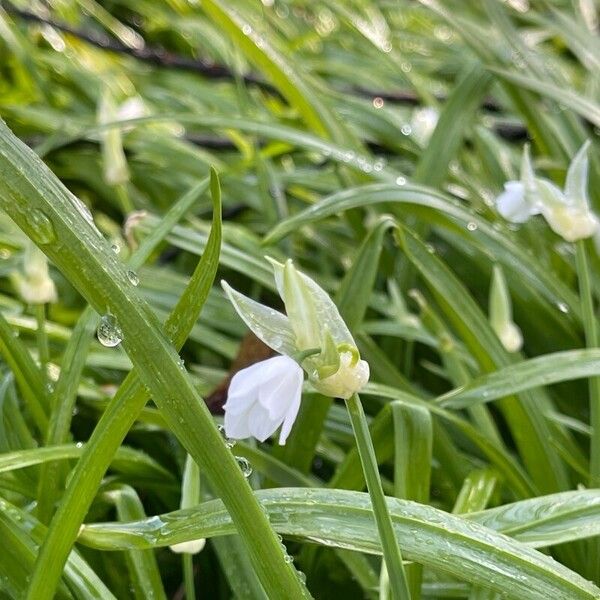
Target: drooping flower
(501,320)
(34,284)
(190,497)
(567,211)
(311,336)
(262,398)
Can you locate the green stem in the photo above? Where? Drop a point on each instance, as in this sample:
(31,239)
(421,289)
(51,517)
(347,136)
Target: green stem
(42,340)
(188,576)
(389,543)
(591,340)
(124,199)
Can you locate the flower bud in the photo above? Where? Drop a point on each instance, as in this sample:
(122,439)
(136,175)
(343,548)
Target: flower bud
(349,379)
(501,321)
(35,285)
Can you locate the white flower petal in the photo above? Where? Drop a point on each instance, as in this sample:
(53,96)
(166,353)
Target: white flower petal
(290,418)
(191,547)
(261,396)
(511,337)
(279,393)
(236,424)
(512,203)
(243,388)
(261,426)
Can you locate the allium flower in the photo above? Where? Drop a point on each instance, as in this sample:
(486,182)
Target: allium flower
(34,284)
(566,211)
(190,497)
(262,398)
(501,319)
(311,336)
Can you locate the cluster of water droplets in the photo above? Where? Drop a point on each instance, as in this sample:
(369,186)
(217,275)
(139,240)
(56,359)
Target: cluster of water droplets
(242,462)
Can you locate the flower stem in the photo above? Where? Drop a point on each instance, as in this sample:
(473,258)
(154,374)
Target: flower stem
(591,340)
(391,550)
(42,339)
(188,576)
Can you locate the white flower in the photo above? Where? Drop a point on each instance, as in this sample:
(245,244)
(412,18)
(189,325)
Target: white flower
(513,205)
(423,123)
(501,319)
(311,336)
(191,547)
(35,285)
(511,337)
(262,398)
(567,212)
(349,378)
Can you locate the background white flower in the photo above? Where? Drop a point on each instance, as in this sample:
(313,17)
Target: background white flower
(567,211)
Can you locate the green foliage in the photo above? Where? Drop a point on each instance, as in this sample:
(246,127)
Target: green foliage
(366,140)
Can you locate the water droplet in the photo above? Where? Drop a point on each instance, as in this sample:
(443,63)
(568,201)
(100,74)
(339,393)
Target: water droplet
(401,180)
(5,254)
(42,230)
(230,443)
(562,307)
(406,129)
(109,331)
(244,466)
(116,248)
(79,445)
(472,226)
(246,29)
(133,277)
(378,102)
(288,559)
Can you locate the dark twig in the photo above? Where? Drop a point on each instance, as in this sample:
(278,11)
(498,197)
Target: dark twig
(207,68)
(156,56)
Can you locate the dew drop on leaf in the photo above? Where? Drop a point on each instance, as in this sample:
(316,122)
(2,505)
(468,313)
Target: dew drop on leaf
(133,277)
(244,466)
(109,331)
(228,441)
(42,230)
